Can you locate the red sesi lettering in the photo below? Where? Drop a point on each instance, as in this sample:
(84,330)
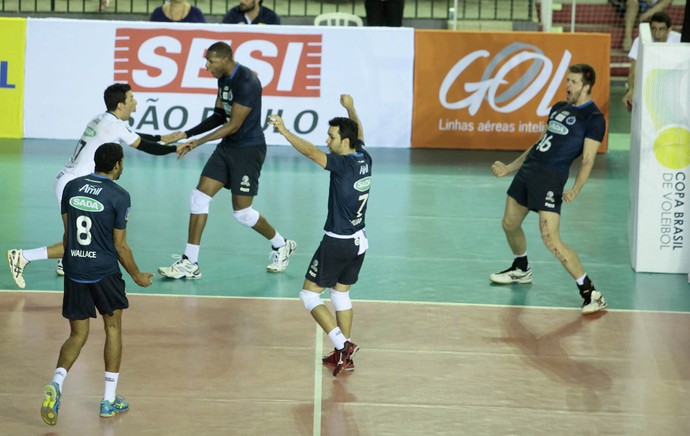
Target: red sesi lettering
(172,61)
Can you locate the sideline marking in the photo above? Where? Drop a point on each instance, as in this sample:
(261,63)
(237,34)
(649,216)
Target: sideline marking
(410,302)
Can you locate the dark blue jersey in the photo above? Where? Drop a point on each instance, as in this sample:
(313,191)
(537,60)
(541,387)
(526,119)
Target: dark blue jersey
(565,135)
(348,192)
(95,206)
(242,87)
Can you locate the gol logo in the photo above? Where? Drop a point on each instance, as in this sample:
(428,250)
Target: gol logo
(172,61)
(494,87)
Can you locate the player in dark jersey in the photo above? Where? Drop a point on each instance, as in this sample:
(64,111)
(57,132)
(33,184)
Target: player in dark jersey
(575,127)
(109,126)
(94,212)
(235,164)
(338,260)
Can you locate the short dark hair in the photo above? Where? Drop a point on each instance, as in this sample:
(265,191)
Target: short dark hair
(661,17)
(221,49)
(346,129)
(589,76)
(106,156)
(115,94)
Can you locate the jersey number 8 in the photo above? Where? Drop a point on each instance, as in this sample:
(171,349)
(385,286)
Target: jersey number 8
(83,230)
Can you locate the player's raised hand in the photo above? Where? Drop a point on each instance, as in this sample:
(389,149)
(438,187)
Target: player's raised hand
(346,101)
(277,123)
(172,137)
(500,169)
(143,279)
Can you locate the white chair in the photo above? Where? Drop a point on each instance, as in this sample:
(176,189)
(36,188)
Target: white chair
(338,19)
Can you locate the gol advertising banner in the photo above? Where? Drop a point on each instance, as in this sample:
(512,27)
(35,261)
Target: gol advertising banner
(483,90)
(660,160)
(303,70)
(12,44)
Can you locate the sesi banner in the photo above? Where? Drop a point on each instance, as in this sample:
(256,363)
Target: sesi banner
(303,71)
(172,60)
(494,90)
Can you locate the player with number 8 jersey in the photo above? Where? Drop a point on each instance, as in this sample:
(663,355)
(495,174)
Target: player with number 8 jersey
(109,126)
(95,205)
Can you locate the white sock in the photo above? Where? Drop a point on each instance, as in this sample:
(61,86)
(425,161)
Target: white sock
(581,280)
(110,386)
(192,252)
(278,241)
(35,254)
(336,336)
(59,377)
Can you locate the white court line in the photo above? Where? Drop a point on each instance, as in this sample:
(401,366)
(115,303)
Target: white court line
(318,383)
(420,303)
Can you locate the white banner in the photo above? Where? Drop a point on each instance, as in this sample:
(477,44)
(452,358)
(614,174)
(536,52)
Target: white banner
(303,70)
(660,160)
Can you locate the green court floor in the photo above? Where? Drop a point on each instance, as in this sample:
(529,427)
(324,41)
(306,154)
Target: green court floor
(434,224)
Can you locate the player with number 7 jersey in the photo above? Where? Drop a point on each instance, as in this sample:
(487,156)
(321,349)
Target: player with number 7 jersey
(338,259)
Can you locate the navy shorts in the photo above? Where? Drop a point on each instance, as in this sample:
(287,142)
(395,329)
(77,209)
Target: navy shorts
(238,169)
(539,188)
(80,300)
(335,261)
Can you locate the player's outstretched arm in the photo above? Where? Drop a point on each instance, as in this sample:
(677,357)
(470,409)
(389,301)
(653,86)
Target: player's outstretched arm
(126,259)
(173,137)
(149,144)
(349,105)
(303,146)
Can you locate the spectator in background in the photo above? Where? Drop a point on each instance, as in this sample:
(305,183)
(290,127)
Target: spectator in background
(177,11)
(384,12)
(251,12)
(646,8)
(661,32)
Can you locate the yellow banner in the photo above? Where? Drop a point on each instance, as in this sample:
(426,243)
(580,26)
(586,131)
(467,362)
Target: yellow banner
(12,48)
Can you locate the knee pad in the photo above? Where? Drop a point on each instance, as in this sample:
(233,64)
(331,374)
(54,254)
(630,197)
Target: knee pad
(341,300)
(247,217)
(310,299)
(198,202)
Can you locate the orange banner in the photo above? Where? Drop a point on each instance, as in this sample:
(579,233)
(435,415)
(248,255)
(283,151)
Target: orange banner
(482,90)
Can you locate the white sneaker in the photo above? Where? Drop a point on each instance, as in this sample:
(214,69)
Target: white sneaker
(596,303)
(281,257)
(59,270)
(512,275)
(17,263)
(183,268)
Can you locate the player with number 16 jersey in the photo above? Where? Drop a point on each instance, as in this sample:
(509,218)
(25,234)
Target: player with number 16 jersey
(565,135)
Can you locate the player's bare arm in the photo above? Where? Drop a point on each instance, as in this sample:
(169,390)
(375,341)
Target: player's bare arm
(589,154)
(303,146)
(173,137)
(349,105)
(126,258)
(500,169)
(239,114)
